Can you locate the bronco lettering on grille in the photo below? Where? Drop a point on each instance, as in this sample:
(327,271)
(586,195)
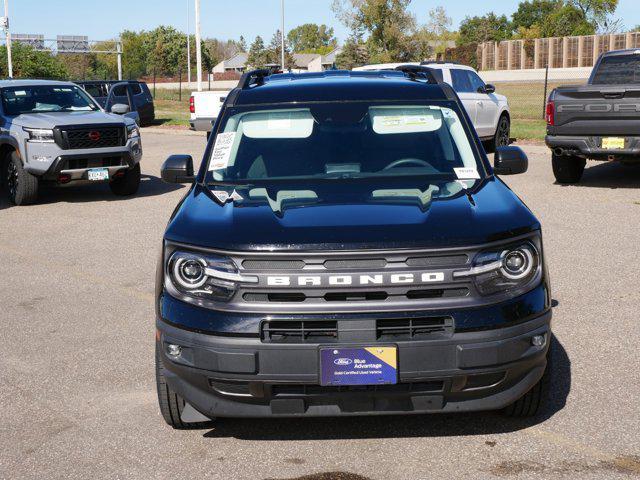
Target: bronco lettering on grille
(358,280)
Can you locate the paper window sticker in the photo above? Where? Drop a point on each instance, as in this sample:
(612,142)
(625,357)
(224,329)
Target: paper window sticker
(222,151)
(467,173)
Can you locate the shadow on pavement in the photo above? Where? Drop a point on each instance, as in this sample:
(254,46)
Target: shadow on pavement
(436,425)
(610,175)
(150,186)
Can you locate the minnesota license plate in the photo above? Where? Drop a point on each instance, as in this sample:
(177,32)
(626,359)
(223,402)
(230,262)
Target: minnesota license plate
(613,143)
(97,174)
(359,366)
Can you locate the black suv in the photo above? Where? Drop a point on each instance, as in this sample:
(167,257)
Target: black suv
(134,93)
(345,249)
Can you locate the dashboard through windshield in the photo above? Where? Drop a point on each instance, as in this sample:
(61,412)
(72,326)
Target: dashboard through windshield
(45,98)
(346,140)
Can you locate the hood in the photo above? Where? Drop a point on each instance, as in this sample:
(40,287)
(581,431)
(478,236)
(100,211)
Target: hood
(342,221)
(59,119)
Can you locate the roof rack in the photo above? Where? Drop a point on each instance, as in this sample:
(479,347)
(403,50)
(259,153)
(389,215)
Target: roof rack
(418,71)
(440,62)
(256,77)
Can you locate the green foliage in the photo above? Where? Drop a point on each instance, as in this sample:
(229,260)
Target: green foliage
(274,52)
(597,12)
(489,27)
(566,21)
(312,38)
(29,63)
(258,56)
(534,12)
(354,54)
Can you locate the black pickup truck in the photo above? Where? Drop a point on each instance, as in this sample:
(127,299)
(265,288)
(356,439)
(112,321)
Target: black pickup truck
(597,121)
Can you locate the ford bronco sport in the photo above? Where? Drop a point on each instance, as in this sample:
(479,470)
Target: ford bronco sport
(54,133)
(346,248)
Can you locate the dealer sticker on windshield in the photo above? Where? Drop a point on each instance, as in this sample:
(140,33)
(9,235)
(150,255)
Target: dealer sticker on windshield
(466,173)
(359,366)
(222,151)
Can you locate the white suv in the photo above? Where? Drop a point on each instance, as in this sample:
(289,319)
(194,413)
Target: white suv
(489,111)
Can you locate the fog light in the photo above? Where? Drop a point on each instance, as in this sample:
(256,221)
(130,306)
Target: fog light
(174,350)
(538,340)
(64,178)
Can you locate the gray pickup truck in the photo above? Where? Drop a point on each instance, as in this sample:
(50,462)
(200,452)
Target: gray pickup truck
(597,121)
(55,133)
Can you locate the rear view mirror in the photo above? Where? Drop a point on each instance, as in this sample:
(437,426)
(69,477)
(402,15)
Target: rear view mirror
(510,161)
(178,169)
(119,108)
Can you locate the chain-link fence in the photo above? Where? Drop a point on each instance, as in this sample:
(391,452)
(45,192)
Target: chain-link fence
(527,95)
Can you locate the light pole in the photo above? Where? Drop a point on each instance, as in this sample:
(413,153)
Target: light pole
(282,38)
(188,46)
(198,47)
(5,24)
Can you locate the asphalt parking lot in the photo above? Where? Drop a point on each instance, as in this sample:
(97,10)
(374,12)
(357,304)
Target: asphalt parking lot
(77,387)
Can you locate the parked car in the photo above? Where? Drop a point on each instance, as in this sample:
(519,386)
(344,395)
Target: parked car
(596,121)
(134,93)
(346,248)
(54,133)
(205,108)
(488,110)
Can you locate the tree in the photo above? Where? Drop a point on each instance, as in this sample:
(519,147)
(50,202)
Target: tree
(532,13)
(312,38)
(597,12)
(439,22)
(489,27)
(432,38)
(566,21)
(30,63)
(388,23)
(258,56)
(354,54)
(242,44)
(274,52)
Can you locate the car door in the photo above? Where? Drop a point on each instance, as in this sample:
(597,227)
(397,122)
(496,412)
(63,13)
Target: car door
(487,116)
(120,93)
(461,83)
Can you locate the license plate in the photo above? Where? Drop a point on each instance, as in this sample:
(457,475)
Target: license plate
(613,143)
(97,174)
(359,366)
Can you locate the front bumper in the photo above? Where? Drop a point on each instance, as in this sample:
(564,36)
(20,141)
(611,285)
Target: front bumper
(590,146)
(227,376)
(47,161)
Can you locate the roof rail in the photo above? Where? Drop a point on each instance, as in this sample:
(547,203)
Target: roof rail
(256,77)
(418,71)
(440,62)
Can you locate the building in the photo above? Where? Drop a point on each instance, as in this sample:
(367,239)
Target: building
(304,62)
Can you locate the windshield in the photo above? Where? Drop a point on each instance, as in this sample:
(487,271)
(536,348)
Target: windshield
(618,70)
(45,98)
(339,141)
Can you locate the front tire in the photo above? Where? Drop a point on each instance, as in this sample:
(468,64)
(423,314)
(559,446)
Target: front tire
(171,404)
(127,184)
(502,137)
(22,187)
(532,402)
(567,169)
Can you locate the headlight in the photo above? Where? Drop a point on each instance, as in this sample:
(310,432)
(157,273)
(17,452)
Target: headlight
(40,135)
(504,270)
(206,277)
(133,131)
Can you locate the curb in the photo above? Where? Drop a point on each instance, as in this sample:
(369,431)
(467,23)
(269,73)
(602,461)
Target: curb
(172,131)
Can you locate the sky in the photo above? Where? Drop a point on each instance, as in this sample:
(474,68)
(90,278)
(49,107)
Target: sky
(225,19)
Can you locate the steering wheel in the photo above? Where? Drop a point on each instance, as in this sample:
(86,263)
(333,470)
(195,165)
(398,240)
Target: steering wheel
(407,161)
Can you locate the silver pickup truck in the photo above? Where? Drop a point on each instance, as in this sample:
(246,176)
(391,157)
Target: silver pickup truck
(55,133)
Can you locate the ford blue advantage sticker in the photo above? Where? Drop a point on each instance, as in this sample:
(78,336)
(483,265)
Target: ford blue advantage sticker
(359,366)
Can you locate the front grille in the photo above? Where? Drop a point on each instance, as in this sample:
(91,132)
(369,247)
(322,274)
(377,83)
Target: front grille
(299,331)
(396,329)
(352,281)
(98,137)
(414,387)
(82,163)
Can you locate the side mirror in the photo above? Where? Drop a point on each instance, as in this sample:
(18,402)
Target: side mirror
(510,161)
(488,89)
(178,169)
(119,108)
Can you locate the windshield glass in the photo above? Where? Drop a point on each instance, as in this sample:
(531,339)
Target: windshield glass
(45,98)
(618,70)
(347,140)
